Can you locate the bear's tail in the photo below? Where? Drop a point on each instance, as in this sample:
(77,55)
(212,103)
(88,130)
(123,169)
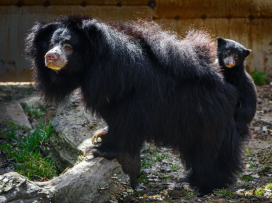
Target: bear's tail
(203,44)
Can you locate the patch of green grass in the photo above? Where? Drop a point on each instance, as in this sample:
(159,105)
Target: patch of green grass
(147,164)
(190,193)
(246,178)
(14,126)
(227,193)
(142,180)
(36,112)
(139,193)
(269,186)
(265,167)
(167,199)
(166,178)
(24,151)
(248,152)
(251,164)
(259,192)
(259,78)
(160,157)
(174,167)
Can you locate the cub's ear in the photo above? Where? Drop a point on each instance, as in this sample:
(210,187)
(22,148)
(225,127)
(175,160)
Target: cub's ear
(247,52)
(220,40)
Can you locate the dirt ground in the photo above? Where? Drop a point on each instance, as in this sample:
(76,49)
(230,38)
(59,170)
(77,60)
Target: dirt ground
(161,167)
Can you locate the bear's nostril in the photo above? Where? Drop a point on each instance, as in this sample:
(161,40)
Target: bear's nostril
(52,56)
(231,64)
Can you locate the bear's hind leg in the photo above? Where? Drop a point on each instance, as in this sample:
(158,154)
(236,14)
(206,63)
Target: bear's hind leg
(216,168)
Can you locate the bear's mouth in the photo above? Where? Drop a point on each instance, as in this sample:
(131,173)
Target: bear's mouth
(229,66)
(53,65)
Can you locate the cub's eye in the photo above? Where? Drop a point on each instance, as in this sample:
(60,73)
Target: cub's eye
(236,56)
(67,47)
(51,46)
(226,52)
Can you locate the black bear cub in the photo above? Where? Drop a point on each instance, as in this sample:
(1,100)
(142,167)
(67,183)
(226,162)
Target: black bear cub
(231,56)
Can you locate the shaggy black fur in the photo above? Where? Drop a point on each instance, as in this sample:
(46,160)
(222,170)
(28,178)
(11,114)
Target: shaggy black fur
(148,85)
(231,52)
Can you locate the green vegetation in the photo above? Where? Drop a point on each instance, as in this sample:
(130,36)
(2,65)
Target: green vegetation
(36,112)
(246,178)
(259,192)
(227,193)
(24,150)
(160,157)
(191,193)
(265,167)
(142,179)
(259,78)
(166,178)
(251,164)
(147,164)
(167,199)
(174,167)
(269,186)
(248,152)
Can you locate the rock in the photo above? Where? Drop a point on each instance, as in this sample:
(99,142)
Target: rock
(93,180)
(266,109)
(259,101)
(15,187)
(255,176)
(264,129)
(31,101)
(16,113)
(5,165)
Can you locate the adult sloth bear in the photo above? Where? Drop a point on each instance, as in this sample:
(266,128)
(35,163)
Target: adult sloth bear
(148,85)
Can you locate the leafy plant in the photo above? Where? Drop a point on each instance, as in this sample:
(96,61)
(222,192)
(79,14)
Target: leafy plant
(190,193)
(36,112)
(160,157)
(246,178)
(259,192)
(149,164)
(259,78)
(142,180)
(166,178)
(167,199)
(174,167)
(227,193)
(248,152)
(269,186)
(251,164)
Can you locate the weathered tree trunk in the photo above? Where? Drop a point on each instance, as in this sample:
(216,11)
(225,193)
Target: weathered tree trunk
(93,180)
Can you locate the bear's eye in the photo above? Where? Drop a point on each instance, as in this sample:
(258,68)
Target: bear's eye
(236,56)
(67,47)
(51,46)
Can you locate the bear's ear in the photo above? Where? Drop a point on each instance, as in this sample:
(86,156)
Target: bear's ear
(40,33)
(247,52)
(220,40)
(90,26)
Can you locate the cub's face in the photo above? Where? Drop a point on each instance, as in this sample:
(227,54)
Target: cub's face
(230,53)
(63,52)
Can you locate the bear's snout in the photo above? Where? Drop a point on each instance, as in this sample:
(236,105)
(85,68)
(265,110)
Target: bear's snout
(51,56)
